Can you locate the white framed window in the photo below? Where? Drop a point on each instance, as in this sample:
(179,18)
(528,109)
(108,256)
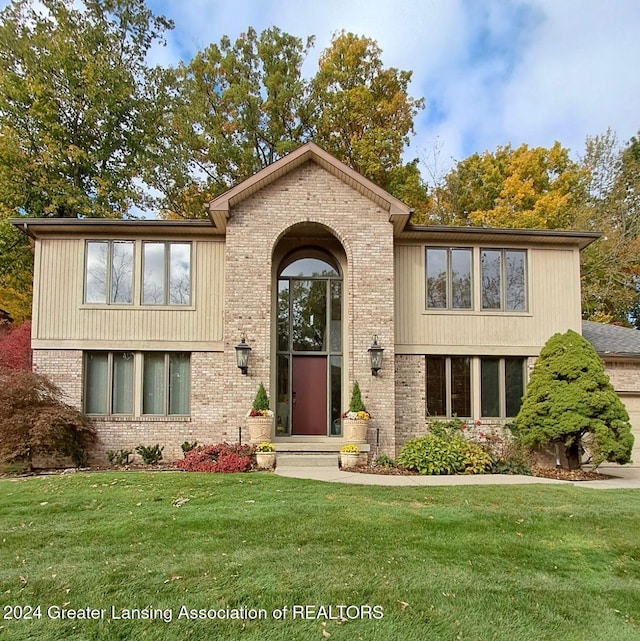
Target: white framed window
(108,275)
(166,273)
(108,383)
(502,383)
(449,277)
(166,383)
(503,279)
(448,383)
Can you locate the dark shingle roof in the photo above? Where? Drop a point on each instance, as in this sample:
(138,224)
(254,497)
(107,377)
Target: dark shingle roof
(611,340)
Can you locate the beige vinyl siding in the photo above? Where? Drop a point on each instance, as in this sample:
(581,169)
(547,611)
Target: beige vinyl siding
(553,306)
(63,316)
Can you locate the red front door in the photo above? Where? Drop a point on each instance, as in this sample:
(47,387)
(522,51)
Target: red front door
(309,396)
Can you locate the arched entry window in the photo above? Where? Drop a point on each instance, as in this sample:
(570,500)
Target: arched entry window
(309,345)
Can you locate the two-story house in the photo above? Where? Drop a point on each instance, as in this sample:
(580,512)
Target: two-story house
(138,321)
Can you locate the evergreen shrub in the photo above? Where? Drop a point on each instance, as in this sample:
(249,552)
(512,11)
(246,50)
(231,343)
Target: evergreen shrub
(569,397)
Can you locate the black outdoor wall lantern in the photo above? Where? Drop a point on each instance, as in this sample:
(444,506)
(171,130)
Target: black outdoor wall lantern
(242,354)
(375,355)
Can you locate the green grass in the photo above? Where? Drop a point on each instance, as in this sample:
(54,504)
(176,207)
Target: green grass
(514,563)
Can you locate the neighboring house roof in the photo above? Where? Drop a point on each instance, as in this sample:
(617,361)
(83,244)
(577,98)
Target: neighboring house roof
(612,340)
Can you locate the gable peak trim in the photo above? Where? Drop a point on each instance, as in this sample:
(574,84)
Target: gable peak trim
(310,152)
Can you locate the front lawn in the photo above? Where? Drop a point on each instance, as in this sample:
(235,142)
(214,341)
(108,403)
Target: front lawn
(512,563)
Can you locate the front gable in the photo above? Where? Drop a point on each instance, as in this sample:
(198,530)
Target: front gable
(219,208)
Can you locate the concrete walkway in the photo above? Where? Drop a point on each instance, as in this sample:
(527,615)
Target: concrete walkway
(623,478)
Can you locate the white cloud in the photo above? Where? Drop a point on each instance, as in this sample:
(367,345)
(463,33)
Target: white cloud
(578,77)
(491,71)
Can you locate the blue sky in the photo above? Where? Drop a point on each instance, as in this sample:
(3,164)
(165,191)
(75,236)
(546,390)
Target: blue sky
(492,72)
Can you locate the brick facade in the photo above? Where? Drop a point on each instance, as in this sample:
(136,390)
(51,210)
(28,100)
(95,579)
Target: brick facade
(205,424)
(309,206)
(410,397)
(624,375)
(330,211)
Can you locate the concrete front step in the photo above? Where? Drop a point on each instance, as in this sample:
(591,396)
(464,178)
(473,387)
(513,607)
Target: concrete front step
(307,459)
(305,452)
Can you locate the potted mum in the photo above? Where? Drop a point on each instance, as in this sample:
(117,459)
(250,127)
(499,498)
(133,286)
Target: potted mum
(356,420)
(349,455)
(266,456)
(260,417)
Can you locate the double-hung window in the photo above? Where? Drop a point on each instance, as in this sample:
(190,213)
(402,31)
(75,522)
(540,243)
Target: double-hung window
(109,383)
(166,383)
(166,278)
(108,277)
(448,280)
(502,382)
(504,279)
(448,386)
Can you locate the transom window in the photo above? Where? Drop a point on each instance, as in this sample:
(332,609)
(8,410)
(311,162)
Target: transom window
(309,267)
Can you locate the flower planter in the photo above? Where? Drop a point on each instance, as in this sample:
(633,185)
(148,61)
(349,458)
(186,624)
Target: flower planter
(266,460)
(355,430)
(259,428)
(348,459)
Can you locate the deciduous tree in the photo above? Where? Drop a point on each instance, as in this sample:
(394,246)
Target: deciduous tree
(15,347)
(238,107)
(364,114)
(77,110)
(34,421)
(611,267)
(241,105)
(524,187)
(16,266)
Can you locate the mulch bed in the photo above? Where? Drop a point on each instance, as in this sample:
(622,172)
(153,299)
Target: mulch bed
(542,472)
(568,475)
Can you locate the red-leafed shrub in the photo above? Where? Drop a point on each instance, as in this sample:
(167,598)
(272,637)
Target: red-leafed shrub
(15,347)
(35,422)
(221,457)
